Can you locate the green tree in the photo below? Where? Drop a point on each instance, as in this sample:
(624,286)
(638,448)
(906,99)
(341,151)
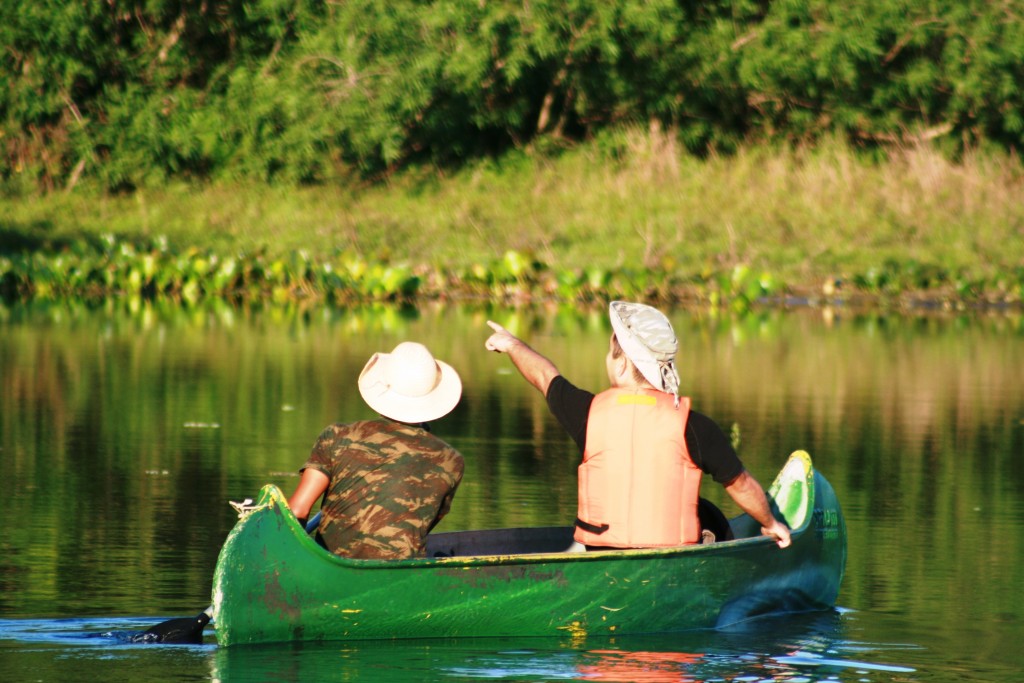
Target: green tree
(130,92)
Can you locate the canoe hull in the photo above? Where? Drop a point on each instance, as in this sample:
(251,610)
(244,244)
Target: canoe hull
(273,583)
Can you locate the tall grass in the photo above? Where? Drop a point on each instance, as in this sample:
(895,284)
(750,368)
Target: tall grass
(809,216)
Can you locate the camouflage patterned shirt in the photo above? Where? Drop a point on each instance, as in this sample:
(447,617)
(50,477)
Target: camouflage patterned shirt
(390,484)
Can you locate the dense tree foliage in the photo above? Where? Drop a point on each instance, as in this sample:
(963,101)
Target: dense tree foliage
(133,92)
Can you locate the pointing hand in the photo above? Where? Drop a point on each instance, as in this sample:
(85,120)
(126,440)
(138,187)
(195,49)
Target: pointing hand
(501,341)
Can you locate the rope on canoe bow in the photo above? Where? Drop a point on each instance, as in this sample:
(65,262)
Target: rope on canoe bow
(245,507)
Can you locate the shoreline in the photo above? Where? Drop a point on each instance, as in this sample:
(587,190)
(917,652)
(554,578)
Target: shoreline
(762,225)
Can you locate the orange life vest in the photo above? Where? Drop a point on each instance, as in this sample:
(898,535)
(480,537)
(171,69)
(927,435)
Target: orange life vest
(638,487)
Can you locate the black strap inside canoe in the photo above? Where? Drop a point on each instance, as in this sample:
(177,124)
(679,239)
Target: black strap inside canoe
(587,526)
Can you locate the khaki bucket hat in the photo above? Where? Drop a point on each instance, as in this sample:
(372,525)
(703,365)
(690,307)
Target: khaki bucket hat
(648,340)
(409,384)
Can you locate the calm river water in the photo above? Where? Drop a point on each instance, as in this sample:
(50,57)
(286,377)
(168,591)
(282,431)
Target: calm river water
(125,430)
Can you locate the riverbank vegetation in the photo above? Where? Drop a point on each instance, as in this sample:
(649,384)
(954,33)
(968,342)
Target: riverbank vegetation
(714,152)
(623,217)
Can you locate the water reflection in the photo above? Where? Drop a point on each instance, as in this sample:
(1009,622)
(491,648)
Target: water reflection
(791,649)
(127,429)
(821,646)
(91,649)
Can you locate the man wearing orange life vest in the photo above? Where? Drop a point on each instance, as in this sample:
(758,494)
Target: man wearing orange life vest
(644,450)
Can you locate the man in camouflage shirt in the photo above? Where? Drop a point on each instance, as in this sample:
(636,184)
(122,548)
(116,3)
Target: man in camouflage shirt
(387,482)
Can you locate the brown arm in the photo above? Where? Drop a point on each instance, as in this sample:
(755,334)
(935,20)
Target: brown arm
(750,496)
(311,487)
(535,368)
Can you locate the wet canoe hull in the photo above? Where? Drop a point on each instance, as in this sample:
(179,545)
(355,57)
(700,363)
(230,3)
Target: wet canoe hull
(273,583)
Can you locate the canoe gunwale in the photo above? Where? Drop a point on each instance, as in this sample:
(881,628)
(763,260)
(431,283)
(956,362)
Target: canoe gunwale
(271,495)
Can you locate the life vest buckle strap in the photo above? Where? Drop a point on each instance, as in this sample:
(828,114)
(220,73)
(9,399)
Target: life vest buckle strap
(591,528)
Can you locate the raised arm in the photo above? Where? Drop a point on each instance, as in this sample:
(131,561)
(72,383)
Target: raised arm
(749,495)
(537,369)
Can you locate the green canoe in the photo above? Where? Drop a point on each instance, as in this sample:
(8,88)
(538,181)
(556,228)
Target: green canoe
(274,583)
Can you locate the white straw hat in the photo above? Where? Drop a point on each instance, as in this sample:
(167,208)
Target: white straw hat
(409,384)
(649,342)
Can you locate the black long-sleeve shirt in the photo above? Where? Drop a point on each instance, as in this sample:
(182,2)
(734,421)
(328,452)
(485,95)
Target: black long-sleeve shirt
(708,445)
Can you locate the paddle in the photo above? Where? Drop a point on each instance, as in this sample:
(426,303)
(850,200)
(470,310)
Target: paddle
(189,630)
